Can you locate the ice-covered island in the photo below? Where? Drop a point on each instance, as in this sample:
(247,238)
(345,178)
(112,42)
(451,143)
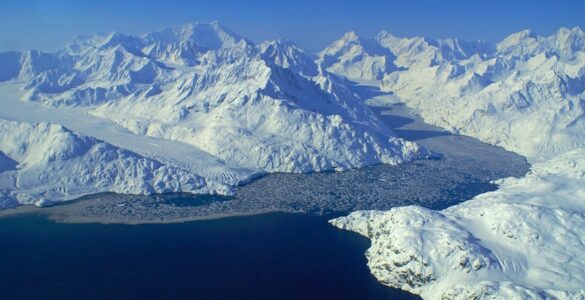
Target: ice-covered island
(527,94)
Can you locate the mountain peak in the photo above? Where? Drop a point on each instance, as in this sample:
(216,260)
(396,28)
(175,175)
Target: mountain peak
(565,41)
(521,35)
(350,36)
(284,45)
(195,26)
(572,34)
(113,39)
(385,35)
(519,38)
(211,35)
(287,54)
(281,42)
(569,40)
(573,31)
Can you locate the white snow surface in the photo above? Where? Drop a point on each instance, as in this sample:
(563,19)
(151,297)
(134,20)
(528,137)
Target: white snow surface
(201,99)
(525,240)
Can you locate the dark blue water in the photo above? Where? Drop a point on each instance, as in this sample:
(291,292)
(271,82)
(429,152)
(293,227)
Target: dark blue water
(273,256)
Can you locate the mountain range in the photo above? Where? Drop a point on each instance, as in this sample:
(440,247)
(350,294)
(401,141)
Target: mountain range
(200,109)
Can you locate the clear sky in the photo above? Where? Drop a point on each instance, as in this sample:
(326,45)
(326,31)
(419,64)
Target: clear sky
(313,24)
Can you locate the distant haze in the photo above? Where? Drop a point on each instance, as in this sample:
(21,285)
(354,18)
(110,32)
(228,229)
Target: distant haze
(313,24)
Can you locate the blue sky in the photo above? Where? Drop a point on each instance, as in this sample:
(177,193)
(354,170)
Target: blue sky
(47,25)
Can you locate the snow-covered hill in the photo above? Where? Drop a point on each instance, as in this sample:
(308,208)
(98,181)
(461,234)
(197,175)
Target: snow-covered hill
(41,163)
(266,108)
(523,241)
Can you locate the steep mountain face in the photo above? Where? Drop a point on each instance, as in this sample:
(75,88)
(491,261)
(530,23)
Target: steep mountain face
(286,54)
(266,108)
(41,163)
(526,93)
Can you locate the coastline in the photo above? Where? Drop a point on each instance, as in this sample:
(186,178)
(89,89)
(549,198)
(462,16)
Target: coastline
(67,213)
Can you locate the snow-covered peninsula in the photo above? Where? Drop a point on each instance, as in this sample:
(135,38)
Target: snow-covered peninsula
(523,241)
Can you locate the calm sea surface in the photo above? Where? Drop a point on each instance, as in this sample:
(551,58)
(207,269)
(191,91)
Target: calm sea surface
(272,256)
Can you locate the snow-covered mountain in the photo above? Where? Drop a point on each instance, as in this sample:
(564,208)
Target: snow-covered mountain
(288,55)
(357,58)
(523,241)
(526,93)
(267,108)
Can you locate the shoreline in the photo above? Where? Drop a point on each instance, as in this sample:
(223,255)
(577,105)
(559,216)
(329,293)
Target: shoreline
(82,220)
(57,214)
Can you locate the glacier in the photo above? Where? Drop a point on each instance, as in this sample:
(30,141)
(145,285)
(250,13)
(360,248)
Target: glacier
(198,99)
(526,94)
